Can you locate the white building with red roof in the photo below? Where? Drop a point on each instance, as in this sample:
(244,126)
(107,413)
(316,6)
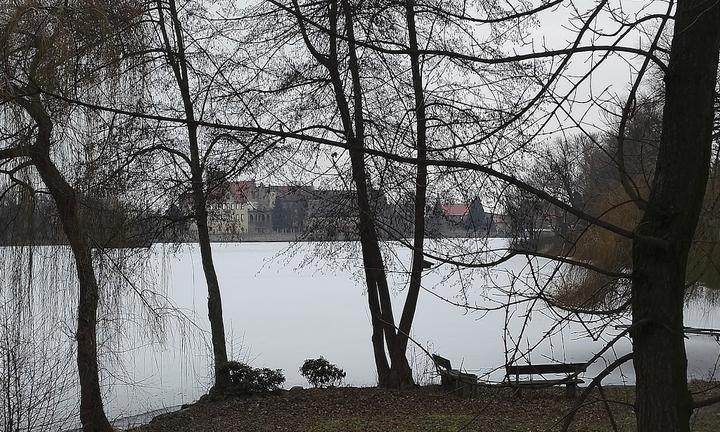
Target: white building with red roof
(455,212)
(240,207)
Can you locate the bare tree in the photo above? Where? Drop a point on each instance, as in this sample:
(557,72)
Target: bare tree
(173,39)
(491,142)
(665,233)
(40,52)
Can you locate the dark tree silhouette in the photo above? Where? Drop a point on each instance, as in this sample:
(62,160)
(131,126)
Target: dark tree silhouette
(665,232)
(51,47)
(173,40)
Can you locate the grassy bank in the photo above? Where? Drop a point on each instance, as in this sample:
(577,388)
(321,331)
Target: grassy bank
(421,409)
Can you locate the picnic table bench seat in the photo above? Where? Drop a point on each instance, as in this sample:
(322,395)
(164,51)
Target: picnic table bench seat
(464,384)
(570,380)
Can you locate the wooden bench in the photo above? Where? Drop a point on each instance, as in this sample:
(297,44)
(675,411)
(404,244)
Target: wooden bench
(570,370)
(464,384)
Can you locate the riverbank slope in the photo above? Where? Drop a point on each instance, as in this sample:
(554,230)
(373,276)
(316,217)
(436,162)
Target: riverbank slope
(421,409)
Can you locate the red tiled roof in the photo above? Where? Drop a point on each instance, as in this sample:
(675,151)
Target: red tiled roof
(240,190)
(457,210)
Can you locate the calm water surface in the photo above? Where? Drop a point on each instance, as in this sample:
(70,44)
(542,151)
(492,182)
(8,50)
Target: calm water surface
(285,304)
(281,309)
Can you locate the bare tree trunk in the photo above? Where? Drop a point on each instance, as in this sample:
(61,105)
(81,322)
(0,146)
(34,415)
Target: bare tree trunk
(402,375)
(92,414)
(215,314)
(178,62)
(663,402)
(378,341)
(379,301)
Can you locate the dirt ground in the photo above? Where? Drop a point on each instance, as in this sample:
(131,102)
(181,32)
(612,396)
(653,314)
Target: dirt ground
(420,409)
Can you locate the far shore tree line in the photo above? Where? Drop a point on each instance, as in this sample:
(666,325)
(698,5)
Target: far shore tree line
(240,211)
(151,102)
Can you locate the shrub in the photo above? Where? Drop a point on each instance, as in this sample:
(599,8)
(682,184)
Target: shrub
(247,380)
(321,373)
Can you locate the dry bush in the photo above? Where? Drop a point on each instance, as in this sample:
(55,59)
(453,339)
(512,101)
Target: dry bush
(610,252)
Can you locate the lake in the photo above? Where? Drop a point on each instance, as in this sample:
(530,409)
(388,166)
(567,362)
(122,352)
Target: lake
(284,304)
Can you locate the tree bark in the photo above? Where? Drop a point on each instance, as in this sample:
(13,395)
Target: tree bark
(215,313)
(92,414)
(178,63)
(663,402)
(378,341)
(352,119)
(379,299)
(400,373)
(403,375)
